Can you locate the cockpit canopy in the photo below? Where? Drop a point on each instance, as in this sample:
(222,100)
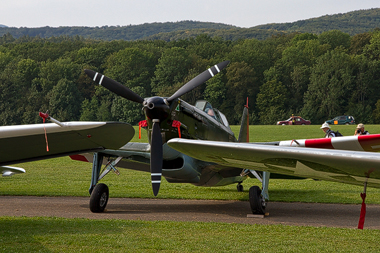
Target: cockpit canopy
(213,112)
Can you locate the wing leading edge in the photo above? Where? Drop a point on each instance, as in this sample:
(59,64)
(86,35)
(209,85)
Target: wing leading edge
(353,167)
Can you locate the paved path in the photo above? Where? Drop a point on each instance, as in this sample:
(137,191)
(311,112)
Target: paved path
(302,214)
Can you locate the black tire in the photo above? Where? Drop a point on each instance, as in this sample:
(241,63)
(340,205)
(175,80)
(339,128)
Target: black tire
(239,188)
(256,200)
(99,198)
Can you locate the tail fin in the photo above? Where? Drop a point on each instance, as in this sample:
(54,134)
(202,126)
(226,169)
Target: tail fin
(244,126)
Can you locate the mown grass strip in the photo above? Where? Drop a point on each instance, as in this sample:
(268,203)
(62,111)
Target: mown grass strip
(23,234)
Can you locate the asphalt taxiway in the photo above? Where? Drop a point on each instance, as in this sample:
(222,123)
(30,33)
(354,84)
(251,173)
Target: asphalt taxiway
(299,214)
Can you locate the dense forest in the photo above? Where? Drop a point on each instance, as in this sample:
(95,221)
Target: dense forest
(315,76)
(352,23)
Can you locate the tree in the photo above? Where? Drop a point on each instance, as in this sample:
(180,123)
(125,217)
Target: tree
(366,90)
(259,55)
(376,113)
(293,69)
(241,84)
(270,102)
(88,56)
(172,68)
(358,42)
(5,59)
(51,72)
(215,91)
(372,50)
(89,109)
(335,38)
(12,93)
(27,71)
(208,48)
(132,67)
(331,84)
(127,111)
(65,101)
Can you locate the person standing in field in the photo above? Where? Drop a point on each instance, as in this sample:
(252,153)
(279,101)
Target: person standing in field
(328,132)
(360,130)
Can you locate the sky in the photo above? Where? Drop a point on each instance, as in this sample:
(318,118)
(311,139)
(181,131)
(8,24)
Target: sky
(241,13)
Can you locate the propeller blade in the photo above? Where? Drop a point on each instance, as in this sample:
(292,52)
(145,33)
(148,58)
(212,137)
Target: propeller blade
(114,86)
(156,157)
(198,80)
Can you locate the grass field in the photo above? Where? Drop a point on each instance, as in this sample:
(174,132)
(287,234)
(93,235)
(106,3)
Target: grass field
(81,235)
(63,177)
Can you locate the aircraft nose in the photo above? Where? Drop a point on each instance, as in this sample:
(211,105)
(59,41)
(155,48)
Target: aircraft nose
(156,108)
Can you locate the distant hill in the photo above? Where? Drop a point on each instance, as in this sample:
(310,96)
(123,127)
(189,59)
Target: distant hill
(354,22)
(131,32)
(3,25)
(227,34)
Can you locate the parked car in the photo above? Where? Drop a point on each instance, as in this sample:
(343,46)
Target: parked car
(342,120)
(294,120)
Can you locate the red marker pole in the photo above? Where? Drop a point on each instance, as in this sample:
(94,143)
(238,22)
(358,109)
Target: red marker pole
(246,106)
(45,116)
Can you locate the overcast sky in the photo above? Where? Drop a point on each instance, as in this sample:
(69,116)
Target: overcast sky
(241,13)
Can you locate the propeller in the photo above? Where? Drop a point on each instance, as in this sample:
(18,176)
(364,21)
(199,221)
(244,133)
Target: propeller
(114,86)
(198,80)
(157,109)
(156,157)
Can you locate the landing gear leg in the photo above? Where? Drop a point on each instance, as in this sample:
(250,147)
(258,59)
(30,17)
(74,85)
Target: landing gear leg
(363,209)
(96,167)
(99,192)
(265,185)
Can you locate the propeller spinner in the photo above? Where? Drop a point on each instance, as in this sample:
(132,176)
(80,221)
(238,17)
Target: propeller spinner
(156,109)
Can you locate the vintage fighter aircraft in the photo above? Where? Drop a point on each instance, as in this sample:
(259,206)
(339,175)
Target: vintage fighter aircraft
(24,143)
(168,118)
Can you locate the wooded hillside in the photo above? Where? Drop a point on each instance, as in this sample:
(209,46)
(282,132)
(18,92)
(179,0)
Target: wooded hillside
(352,23)
(315,76)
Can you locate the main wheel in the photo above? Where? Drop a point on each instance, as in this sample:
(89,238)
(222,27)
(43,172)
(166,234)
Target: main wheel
(239,187)
(256,200)
(99,198)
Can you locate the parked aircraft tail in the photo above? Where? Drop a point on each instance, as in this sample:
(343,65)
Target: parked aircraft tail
(244,126)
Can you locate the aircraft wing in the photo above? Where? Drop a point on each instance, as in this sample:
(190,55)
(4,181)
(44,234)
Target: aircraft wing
(358,143)
(21,143)
(343,166)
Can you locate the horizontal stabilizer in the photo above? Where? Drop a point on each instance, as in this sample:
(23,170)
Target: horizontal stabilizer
(8,171)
